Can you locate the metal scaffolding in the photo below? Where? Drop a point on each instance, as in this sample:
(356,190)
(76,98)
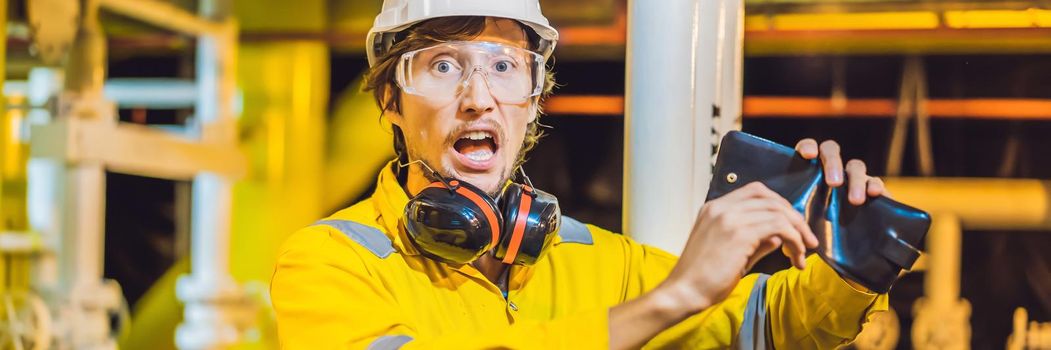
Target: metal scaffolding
(71,153)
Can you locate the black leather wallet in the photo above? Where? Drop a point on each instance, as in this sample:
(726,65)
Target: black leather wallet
(870,243)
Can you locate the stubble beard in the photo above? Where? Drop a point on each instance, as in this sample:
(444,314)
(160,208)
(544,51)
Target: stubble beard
(446,172)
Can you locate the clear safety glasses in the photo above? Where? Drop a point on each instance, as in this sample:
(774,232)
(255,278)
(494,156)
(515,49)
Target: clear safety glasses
(444,71)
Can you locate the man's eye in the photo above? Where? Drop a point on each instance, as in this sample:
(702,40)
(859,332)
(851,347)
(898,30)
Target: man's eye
(443,66)
(502,66)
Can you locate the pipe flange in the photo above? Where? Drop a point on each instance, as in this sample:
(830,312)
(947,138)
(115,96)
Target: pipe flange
(881,332)
(941,326)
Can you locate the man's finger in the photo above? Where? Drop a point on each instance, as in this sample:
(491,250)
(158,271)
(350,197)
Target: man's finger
(790,254)
(751,209)
(751,190)
(807,236)
(791,238)
(807,148)
(857,180)
(754,189)
(832,163)
(765,248)
(761,192)
(876,187)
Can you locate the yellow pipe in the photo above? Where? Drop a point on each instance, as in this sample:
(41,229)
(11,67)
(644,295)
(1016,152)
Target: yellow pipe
(1028,18)
(980,204)
(13,152)
(852,21)
(157,313)
(360,144)
(941,316)
(998,18)
(285,86)
(942,284)
(956,203)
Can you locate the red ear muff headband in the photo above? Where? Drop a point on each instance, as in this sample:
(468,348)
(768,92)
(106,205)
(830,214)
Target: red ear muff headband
(487,207)
(531,220)
(519,228)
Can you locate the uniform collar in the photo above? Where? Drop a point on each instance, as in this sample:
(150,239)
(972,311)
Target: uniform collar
(390,199)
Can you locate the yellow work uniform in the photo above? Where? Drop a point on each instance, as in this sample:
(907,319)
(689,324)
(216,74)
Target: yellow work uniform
(355,281)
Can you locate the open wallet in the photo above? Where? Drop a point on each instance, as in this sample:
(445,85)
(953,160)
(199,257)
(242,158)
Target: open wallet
(870,244)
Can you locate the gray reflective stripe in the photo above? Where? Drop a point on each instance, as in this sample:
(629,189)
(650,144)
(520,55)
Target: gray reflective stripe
(389,342)
(372,239)
(754,330)
(574,231)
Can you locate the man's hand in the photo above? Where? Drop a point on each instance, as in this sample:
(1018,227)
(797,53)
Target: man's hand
(860,182)
(730,234)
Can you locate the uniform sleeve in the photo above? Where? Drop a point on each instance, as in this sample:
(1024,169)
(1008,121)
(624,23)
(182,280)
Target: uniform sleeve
(817,309)
(807,309)
(325,297)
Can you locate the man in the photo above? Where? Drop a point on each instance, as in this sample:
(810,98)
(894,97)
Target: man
(461,85)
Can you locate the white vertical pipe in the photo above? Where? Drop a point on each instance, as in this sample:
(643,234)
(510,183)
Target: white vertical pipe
(210,243)
(669,101)
(87,198)
(44,198)
(212,195)
(209,229)
(708,50)
(731,66)
(210,292)
(84,240)
(216,82)
(206,110)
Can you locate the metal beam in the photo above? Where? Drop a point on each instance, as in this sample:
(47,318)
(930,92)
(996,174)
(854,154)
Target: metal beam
(164,15)
(134,149)
(818,107)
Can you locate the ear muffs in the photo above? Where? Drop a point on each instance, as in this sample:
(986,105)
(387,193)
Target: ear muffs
(531,218)
(455,222)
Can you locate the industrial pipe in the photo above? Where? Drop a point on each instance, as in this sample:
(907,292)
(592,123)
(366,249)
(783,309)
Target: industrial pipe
(670,98)
(980,204)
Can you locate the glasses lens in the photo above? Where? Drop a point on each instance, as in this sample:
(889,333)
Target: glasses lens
(510,74)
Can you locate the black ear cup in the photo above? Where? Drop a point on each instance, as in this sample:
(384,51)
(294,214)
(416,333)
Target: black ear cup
(531,219)
(454,224)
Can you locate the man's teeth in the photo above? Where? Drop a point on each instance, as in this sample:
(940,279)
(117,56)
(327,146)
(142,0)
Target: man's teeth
(480,155)
(476,135)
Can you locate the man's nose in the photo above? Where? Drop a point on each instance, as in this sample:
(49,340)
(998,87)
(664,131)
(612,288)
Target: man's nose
(477,98)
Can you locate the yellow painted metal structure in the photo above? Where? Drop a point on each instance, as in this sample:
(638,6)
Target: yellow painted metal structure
(980,204)
(20,306)
(303,166)
(359,144)
(14,153)
(284,88)
(941,316)
(953,19)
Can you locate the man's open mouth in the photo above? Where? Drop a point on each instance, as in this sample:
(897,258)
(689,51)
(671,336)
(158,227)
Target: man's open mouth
(478,145)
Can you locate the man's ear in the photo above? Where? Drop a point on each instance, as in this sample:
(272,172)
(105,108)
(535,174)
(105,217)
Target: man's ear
(390,113)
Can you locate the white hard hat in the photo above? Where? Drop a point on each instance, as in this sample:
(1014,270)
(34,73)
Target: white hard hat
(398,15)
